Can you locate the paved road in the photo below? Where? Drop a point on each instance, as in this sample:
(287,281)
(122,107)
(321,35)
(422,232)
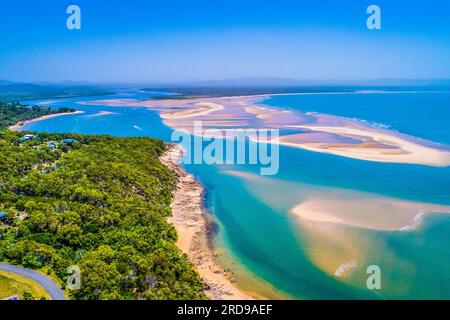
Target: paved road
(51,287)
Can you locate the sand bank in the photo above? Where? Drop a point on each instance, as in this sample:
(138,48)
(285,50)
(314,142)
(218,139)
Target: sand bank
(200,109)
(100,114)
(20,125)
(357,209)
(326,206)
(192,225)
(339,227)
(379,146)
(310,131)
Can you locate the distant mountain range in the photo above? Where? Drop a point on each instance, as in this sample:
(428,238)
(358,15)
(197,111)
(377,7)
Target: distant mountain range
(11,91)
(255,86)
(286,82)
(242,82)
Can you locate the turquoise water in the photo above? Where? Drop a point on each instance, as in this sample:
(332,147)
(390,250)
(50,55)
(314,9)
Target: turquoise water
(423,114)
(254,224)
(125,122)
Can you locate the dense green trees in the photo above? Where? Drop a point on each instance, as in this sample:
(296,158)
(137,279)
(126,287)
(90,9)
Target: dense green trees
(100,204)
(12,113)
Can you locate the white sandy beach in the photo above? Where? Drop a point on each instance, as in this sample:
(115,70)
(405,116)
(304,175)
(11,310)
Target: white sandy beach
(19,126)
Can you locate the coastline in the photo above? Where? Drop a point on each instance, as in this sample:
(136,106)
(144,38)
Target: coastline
(192,225)
(20,125)
(317,132)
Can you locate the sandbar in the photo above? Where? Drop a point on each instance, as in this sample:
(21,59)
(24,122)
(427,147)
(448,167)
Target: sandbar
(310,131)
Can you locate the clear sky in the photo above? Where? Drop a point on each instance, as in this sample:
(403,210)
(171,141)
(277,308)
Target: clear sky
(173,40)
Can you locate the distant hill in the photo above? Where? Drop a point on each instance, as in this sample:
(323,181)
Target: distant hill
(286,82)
(10,91)
(255,86)
(250,82)
(193,92)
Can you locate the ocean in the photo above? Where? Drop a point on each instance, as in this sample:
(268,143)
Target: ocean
(273,254)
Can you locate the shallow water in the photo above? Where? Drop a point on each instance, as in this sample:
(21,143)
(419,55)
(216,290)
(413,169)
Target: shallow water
(257,230)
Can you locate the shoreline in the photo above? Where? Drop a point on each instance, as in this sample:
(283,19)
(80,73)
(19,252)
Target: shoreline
(20,125)
(193,229)
(312,131)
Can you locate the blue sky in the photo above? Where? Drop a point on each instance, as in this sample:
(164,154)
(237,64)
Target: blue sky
(165,41)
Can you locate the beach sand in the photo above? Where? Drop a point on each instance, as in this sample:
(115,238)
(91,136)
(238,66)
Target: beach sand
(20,125)
(192,225)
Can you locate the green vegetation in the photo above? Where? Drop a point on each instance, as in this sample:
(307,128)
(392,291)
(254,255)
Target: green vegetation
(12,284)
(100,203)
(214,92)
(12,113)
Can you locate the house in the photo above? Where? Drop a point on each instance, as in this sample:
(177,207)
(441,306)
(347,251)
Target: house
(27,137)
(51,145)
(69,142)
(3,216)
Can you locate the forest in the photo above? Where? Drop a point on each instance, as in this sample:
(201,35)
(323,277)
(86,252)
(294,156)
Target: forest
(98,203)
(12,113)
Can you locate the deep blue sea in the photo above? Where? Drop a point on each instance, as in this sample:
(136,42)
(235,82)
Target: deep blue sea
(259,237)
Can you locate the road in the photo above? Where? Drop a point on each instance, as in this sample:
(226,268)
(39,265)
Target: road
(49,285)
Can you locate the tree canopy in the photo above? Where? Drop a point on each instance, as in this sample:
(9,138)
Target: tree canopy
(12,113)
(100,204)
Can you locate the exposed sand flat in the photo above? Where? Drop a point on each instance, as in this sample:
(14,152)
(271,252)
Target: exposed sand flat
(192,225)
(206,124)
(201,109)
(310,131)
(313,137)
(100,114)
(271,116)
(20,125)
(323,207)
(46,103)
(364,211)
(337,225)
(407,151)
